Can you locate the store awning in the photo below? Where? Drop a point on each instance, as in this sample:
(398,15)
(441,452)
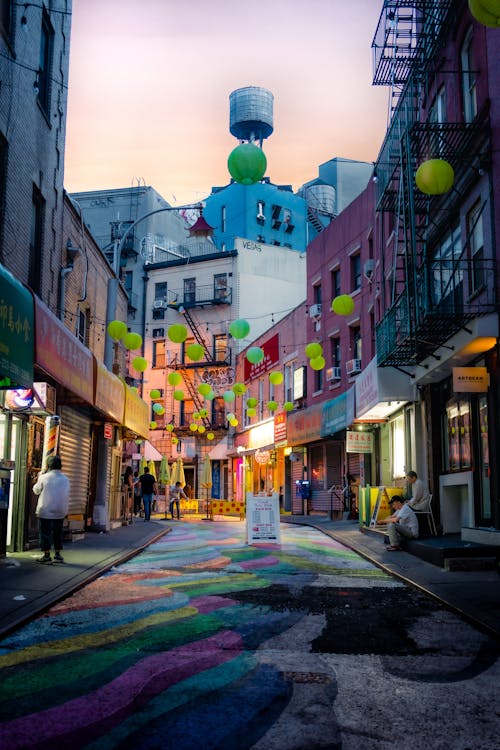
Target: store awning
(219,451)
(17,333)
(151,453)
(380,391)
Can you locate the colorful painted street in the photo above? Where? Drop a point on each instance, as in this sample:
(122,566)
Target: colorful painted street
(202,641)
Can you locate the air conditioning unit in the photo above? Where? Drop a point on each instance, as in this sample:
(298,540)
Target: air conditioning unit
(333,373)
(315,310)
(159,304)
(353,366)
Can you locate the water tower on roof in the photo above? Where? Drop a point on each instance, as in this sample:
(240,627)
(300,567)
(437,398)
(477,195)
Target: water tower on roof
(251,114)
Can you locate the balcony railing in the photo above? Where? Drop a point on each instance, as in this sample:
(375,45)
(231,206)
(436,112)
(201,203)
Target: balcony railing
(449,293)
(202,295)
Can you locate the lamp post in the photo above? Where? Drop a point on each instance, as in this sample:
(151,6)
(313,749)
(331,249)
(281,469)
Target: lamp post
(114,281)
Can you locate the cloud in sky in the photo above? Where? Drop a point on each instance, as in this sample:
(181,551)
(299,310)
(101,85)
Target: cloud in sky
(150,82)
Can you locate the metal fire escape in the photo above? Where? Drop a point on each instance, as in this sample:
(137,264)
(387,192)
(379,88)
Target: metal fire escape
(429,298)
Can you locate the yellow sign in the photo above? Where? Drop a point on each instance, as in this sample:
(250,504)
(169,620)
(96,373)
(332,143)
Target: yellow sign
(470,379)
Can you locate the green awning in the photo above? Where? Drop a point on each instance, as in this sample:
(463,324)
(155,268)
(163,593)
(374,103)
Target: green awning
(17,333)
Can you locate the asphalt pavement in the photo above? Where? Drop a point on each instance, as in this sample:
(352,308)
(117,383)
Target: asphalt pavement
(29,588)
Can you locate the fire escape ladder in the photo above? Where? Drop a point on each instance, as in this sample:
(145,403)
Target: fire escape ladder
(313,219)
(197,335)
(187,375)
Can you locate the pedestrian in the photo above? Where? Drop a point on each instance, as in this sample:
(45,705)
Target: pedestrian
(128,485)
(419,497)
(137,494)
(52,508)
(175,495)
(350,497)
(148,488)
(401,525)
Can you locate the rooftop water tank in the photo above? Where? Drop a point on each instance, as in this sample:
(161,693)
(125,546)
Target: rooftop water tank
(251,113)
(321,197)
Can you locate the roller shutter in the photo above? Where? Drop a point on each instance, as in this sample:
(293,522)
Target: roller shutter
(75,450)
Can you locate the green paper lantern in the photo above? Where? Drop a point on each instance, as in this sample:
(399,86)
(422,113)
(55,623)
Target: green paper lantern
(255,355)
(204,389)
(317,363)
(169,427)
(153,425)
(174,378)
(193,427)
(288,406)
(203,413)
(132,341)
(161,410)
(140,364)
(179,395)
(210,435)
(201,429)
(177,333)
(196,415)
(272,405)
(117,329)
(252,402)
(239,389)
(158,409)
(233,422)
(239,329)
(154,394)
(175,440)
(276,378)
(251,412)
(247,164)
(343,305)
(134,388)
(210,395)
(435,177)
(314,349)
(231,416)
(228,396)
(194,352)
(486,12)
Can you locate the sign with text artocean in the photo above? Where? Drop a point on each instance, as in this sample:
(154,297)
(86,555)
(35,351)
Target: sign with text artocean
(271,349)
(470,379)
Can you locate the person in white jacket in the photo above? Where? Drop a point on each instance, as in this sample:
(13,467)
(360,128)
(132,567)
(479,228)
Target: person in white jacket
(419,499)
(52,508)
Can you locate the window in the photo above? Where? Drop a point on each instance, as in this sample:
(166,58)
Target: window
(468,78)
(45,62)
(223,219)
(446,275)
(82,326)
(287,220)
(437,116)
(317,293)
(127,281)
(161,290)
(276,211)
(458,450)
(159,314)
(36,249)
(336,351)
(220,287)
(318,380)
(335,278)
(189,291)
(220,348)
(159,359)
(355,272)
(288,383)
(476,248)
(158,333)
(356,343)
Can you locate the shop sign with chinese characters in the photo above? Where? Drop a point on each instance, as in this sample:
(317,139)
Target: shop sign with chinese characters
(358,442)
(470,379)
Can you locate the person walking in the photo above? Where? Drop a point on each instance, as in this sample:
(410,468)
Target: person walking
(401,525)
(137,494)
(148,488)
(175,495)
(53,489)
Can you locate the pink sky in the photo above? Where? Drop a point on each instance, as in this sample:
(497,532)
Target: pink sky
(150,82)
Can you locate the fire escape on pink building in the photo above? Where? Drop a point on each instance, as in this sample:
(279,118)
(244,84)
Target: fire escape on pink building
(433,288)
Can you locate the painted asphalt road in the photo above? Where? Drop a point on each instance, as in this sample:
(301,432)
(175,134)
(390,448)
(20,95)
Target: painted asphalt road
(204,642)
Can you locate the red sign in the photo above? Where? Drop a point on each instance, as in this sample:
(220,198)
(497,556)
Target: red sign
(108,430)
(280,429)
(271,351)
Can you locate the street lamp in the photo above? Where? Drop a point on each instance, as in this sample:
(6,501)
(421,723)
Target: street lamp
(114,281)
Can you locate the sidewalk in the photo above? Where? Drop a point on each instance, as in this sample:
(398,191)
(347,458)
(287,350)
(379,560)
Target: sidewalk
(28,588)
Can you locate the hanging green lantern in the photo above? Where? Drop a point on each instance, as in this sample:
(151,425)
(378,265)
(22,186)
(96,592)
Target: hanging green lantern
(486,12)
(251,412)
(272,405)
(210,435)
(343,305)
(140,364)
(169,427)
(313,350)
(233,422)
(158,409)
(154,394)
(228,396)
(255,355)
(247,164)
(276,378)
(288,406)
(317,363)
(132,341)
(177,333)
(239,329)
(175,440)
(174,378)
(201,429)
(117,329)
(153,425)
(435,177)
(194,352)
(179,395)
(203,413)
(204,389)
(252,402)
(239,389)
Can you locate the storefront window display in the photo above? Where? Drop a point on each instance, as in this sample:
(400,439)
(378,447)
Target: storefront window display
(317,468)
(398,447)
(458,449)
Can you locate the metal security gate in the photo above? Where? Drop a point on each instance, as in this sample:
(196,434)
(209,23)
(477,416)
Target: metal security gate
(75,445)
